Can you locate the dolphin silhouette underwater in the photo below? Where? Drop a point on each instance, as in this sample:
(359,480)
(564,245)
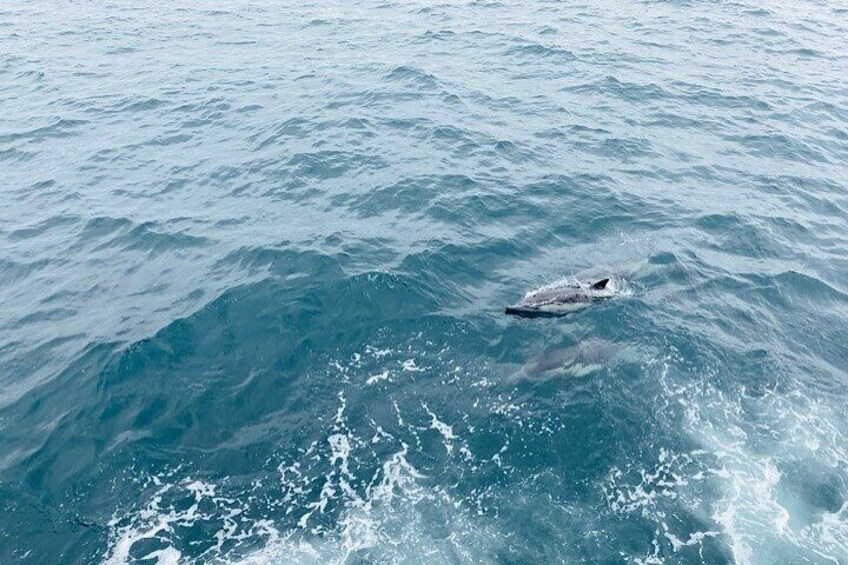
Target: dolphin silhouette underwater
(559,301)
(584,358)
(589,356)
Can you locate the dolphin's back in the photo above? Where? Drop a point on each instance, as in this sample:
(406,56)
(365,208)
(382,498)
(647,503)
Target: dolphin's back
(559,301)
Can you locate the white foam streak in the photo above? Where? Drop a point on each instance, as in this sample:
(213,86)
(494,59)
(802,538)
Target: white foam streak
(445,430)
(763,516)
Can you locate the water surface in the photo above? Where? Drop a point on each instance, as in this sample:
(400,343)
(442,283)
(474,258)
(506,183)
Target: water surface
(255,255)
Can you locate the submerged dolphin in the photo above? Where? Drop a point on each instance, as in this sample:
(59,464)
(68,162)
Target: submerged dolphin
(584,358)
(560,301)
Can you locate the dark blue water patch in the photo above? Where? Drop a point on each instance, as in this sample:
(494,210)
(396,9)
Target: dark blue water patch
(131,394)
(219,329)
(270,353)
(23,359)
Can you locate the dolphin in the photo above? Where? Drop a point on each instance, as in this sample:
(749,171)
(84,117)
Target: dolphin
(559,301)
(582,359)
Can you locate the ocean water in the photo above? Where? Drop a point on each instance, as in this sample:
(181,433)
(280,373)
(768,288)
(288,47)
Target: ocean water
(254,258)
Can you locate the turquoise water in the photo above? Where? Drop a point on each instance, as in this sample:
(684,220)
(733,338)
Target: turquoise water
(255,257)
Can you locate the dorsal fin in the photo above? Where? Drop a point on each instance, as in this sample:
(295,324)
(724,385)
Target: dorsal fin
(600,285)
